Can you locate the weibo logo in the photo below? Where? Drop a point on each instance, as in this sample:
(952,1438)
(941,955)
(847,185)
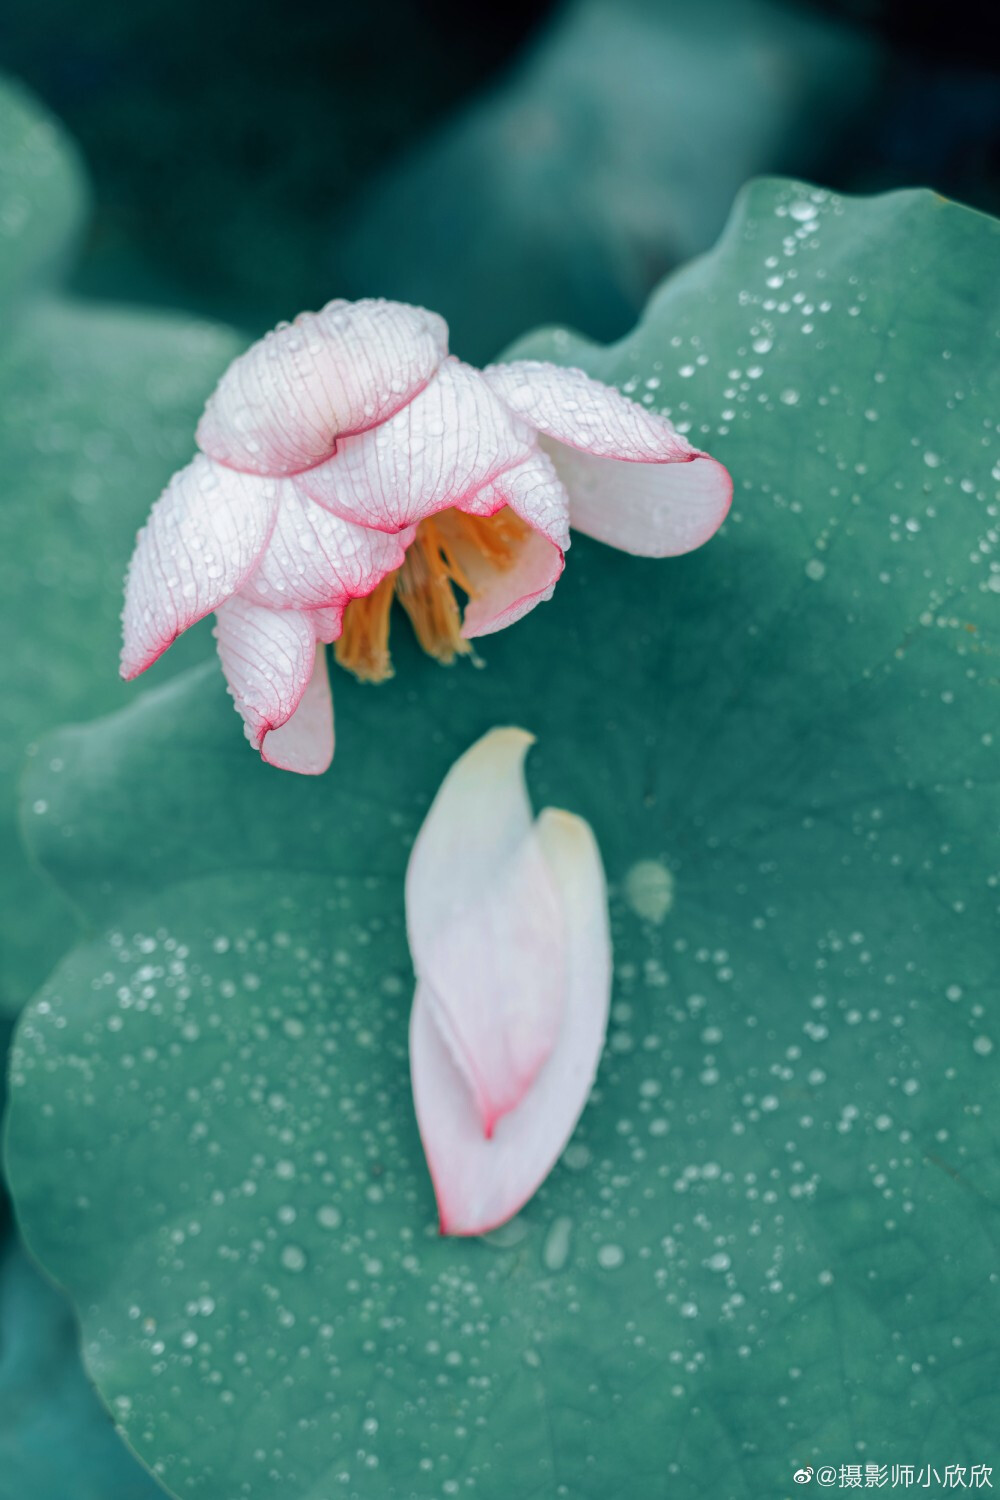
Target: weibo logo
(803,1475)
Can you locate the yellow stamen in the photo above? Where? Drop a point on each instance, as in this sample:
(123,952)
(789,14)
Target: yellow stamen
(363,647)
(496,538)
(446,549)
(424,589)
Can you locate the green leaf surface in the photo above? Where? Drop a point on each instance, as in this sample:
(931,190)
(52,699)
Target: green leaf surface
(56,1441)
(772,1240)
(97,408)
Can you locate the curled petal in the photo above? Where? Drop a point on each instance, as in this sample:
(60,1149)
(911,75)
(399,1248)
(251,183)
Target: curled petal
(534,492)
(315,559)
(481,1182)
(651,510)
(566,404)
(633,481)
(282,405)
(484,925)
(503,593)
(449,441)
(503,598)
(202,540)
(304,743)
(275,674)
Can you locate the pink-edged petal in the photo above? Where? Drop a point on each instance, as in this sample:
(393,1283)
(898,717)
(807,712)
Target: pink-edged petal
(304,743)
(282,405)
(566,404)
(327,623)
(449,441)
(273,669)
(534,491)
(650,510)
(505,595)
(632,480)
(315,559)
(495,980)
(485,926)
(480,1183)
(201,542)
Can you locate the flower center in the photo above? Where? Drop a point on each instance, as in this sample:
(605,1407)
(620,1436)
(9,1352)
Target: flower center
(447,548)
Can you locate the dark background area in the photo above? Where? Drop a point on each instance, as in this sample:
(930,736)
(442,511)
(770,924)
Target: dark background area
(250,160)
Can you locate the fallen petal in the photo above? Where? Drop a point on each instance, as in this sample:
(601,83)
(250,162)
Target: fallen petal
(485,926)
(273,669)
(480,1183)
(651,510)
(201,542)
(282,405)
(449,441)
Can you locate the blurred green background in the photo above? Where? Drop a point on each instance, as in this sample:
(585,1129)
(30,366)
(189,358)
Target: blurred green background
(253,159)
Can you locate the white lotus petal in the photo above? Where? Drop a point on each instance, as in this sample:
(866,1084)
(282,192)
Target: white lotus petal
(534,492)
(567,404)
(650,510)
(305,742)
(269,657)
(503,595)
(315,559)
(327,623)
(282,405)
(202,540)
(449,441)
(480,1183)
(484,924)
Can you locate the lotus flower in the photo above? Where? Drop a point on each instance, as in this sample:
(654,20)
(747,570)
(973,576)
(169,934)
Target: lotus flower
(508,927)
(347,459)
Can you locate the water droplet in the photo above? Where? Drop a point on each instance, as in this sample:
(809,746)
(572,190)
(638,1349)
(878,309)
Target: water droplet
(649,890)
(293,1258)
(555,1252)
